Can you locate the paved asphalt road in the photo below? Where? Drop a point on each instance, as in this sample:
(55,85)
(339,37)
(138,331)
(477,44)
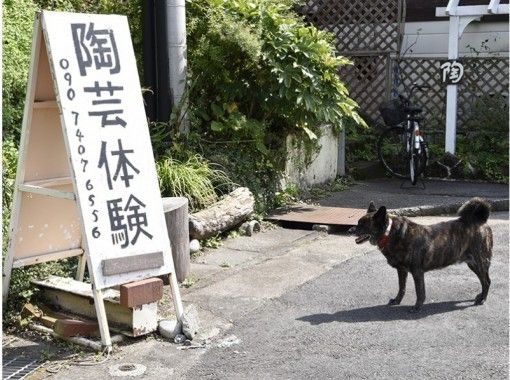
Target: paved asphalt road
(327,319)
(338,326)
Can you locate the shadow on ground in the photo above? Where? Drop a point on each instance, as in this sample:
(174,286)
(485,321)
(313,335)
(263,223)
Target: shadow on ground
(385,313)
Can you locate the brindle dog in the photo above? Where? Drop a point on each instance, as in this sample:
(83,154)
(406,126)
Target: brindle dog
(414,248)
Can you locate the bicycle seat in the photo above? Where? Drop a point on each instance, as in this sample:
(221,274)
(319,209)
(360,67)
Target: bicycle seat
(413,110)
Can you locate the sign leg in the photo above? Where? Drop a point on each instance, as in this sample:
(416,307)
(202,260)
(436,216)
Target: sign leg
(176,296)
(82,264)
(101,318)
(6,276)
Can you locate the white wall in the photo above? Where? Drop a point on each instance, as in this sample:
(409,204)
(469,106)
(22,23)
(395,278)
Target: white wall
(430,39)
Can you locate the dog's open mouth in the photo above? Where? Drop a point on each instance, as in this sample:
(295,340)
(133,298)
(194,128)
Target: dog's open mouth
(362,239)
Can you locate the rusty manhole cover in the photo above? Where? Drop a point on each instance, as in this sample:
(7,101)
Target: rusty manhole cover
(333,216)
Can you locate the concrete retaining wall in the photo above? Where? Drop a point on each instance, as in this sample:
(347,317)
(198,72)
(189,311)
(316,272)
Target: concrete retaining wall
(323,168)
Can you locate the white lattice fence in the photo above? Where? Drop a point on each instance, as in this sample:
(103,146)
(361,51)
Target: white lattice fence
(367,32)
(367,81)
(483,77)
(359,26)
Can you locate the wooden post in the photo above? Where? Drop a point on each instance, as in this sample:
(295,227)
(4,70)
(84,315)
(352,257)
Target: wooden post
(177,224)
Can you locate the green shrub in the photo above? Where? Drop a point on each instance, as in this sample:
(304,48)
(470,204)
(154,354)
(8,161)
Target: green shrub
(194,178)
(257,74)
(483,139)
(18,21)
(281,75)
(247,166)
(9,162)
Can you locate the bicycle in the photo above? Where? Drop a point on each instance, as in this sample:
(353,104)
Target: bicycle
(401,147)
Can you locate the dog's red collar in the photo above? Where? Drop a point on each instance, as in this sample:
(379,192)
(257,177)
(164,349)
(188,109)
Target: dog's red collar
(383,240)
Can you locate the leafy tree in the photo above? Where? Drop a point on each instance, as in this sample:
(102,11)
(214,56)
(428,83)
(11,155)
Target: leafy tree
(259,72)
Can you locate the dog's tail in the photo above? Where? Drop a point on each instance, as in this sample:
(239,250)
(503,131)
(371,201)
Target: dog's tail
(475,211)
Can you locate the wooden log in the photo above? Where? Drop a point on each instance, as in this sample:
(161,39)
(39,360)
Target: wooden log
(177,224)
(223,215)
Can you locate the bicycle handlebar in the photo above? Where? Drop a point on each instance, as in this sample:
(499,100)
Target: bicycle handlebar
(415,86)
(419,87)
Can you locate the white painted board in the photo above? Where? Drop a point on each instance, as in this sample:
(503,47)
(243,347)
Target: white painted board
(105,129)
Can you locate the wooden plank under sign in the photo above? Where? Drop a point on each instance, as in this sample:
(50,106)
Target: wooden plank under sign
(132,263)
(77,298)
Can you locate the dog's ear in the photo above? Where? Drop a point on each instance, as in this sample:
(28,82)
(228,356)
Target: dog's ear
(380,215)
(371,207)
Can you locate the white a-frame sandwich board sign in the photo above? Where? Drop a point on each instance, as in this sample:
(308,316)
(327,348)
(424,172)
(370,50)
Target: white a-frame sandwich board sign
(86,183)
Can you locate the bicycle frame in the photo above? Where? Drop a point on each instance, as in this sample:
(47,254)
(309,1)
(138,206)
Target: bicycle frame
(413,143)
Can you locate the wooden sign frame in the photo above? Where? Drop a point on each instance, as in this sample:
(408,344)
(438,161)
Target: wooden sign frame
(48,217)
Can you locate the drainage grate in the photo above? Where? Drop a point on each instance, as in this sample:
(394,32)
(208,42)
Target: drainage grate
(18,367)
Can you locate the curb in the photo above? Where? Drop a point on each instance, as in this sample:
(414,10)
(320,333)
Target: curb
(434,210)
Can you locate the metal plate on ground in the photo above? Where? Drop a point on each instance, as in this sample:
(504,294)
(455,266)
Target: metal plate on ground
(19,367)
(333,216)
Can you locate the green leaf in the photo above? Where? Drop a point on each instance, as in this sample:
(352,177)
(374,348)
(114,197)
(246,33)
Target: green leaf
(310,134)
(217,110)
(217,126)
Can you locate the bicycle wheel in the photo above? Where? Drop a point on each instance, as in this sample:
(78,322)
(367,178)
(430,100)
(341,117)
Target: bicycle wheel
(393,154)
(413,160)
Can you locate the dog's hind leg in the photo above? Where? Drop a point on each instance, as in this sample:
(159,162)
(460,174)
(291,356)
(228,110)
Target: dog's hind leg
(419,284)
(402,279)
(483,275)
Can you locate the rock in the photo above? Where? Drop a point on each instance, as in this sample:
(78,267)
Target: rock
(194,246)
(179,338)
(255,225)
(190,322)
(321,228)
(449,166)
(248,228)
(229,341)
(245,229)
(169,328)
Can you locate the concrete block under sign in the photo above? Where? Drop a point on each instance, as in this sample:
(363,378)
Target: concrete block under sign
(141,292)
(77,298)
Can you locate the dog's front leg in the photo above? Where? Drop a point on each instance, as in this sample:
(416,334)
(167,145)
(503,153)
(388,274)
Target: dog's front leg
(419,284)
(402,279)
